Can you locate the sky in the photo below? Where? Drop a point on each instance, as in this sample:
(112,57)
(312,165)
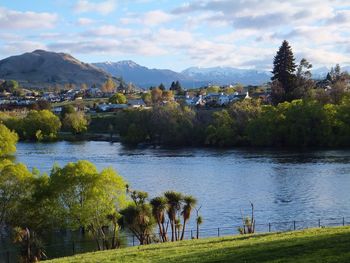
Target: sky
(177,34)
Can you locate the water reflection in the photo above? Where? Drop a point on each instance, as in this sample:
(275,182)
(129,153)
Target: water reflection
(283,185)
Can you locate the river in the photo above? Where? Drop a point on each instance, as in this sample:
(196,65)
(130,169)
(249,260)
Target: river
(283,185)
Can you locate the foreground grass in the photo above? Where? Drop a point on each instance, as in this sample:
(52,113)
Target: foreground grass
(313,245)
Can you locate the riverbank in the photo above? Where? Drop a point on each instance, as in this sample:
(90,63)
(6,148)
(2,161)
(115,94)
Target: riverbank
(102,137)
(312,245)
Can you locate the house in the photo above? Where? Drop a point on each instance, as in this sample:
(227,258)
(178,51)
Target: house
(195,101)
(111,107)
(217,99)
(136,103)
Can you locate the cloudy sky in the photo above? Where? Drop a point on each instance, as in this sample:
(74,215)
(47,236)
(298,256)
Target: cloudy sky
(178,34)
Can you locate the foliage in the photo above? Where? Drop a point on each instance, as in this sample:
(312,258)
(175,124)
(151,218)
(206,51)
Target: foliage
(222,131)
(118,98)
(157,95)
(283,74)
(31,247)
(76,122)
(138,218)
(67,109)
(41,105)
(36,125)
(109,86)
(11,86)
(16,186)
(8,140)
(87,197)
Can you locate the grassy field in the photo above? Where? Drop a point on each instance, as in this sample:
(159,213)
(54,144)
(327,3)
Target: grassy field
(313,245)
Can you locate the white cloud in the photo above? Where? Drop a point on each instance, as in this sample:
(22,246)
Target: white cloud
(22,46)
(156,17)
(149,19)
(83,21)
(108,30)
(104,8)
(12,19)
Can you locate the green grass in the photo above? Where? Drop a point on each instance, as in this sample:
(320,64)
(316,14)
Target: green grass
(313,245)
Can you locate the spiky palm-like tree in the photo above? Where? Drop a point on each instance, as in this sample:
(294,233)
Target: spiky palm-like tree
(159,207)
(174,200)
(189,203)
(199,221)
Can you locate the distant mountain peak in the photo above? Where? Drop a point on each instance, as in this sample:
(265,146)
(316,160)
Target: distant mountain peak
(42,68)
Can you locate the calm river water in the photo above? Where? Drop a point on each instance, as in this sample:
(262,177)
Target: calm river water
(283,185)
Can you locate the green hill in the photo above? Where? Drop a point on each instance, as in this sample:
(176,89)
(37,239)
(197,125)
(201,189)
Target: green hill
(313,245)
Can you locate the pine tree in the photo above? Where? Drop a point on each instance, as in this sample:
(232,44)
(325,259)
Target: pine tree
(284,72)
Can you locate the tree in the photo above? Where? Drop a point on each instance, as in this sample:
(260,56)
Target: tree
(147,98)
(199,220)
(303,83)
(222,132)
(11,86)
(76,122)
(138,218)
(176,87)
(168,95)
(157,95)
(109,86)
(118,98)
(174,200)
(16,185)
(87,197)
(161,87)
(159,207)
(283,71)
(67,109)
(41,105)
(189,203)
(8,140)
(39,125)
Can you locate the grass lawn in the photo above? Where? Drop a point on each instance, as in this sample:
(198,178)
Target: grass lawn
(313,245)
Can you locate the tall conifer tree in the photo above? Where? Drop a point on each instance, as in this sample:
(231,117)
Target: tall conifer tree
(284,72)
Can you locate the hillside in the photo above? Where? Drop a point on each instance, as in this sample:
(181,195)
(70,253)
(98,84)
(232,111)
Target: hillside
(42,69)
(313,245)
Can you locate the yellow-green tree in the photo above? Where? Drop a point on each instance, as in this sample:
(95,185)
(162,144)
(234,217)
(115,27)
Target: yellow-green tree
(118,98)
(8,140)
(88,197)
(76,122)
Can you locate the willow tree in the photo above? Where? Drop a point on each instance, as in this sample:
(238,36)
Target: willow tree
(88,197)
(8,140)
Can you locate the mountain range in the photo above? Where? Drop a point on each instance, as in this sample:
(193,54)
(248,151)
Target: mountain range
(42,68)
(191,77)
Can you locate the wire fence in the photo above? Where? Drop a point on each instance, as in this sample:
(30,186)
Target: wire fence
(82,246)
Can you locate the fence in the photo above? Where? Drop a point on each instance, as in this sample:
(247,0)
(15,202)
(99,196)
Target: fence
(76,247)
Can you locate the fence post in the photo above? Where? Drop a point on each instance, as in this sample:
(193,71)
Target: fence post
(294,224)
(218,231)
(133,240)
(73,248)
(319,222)
(269,227)
(343,221)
